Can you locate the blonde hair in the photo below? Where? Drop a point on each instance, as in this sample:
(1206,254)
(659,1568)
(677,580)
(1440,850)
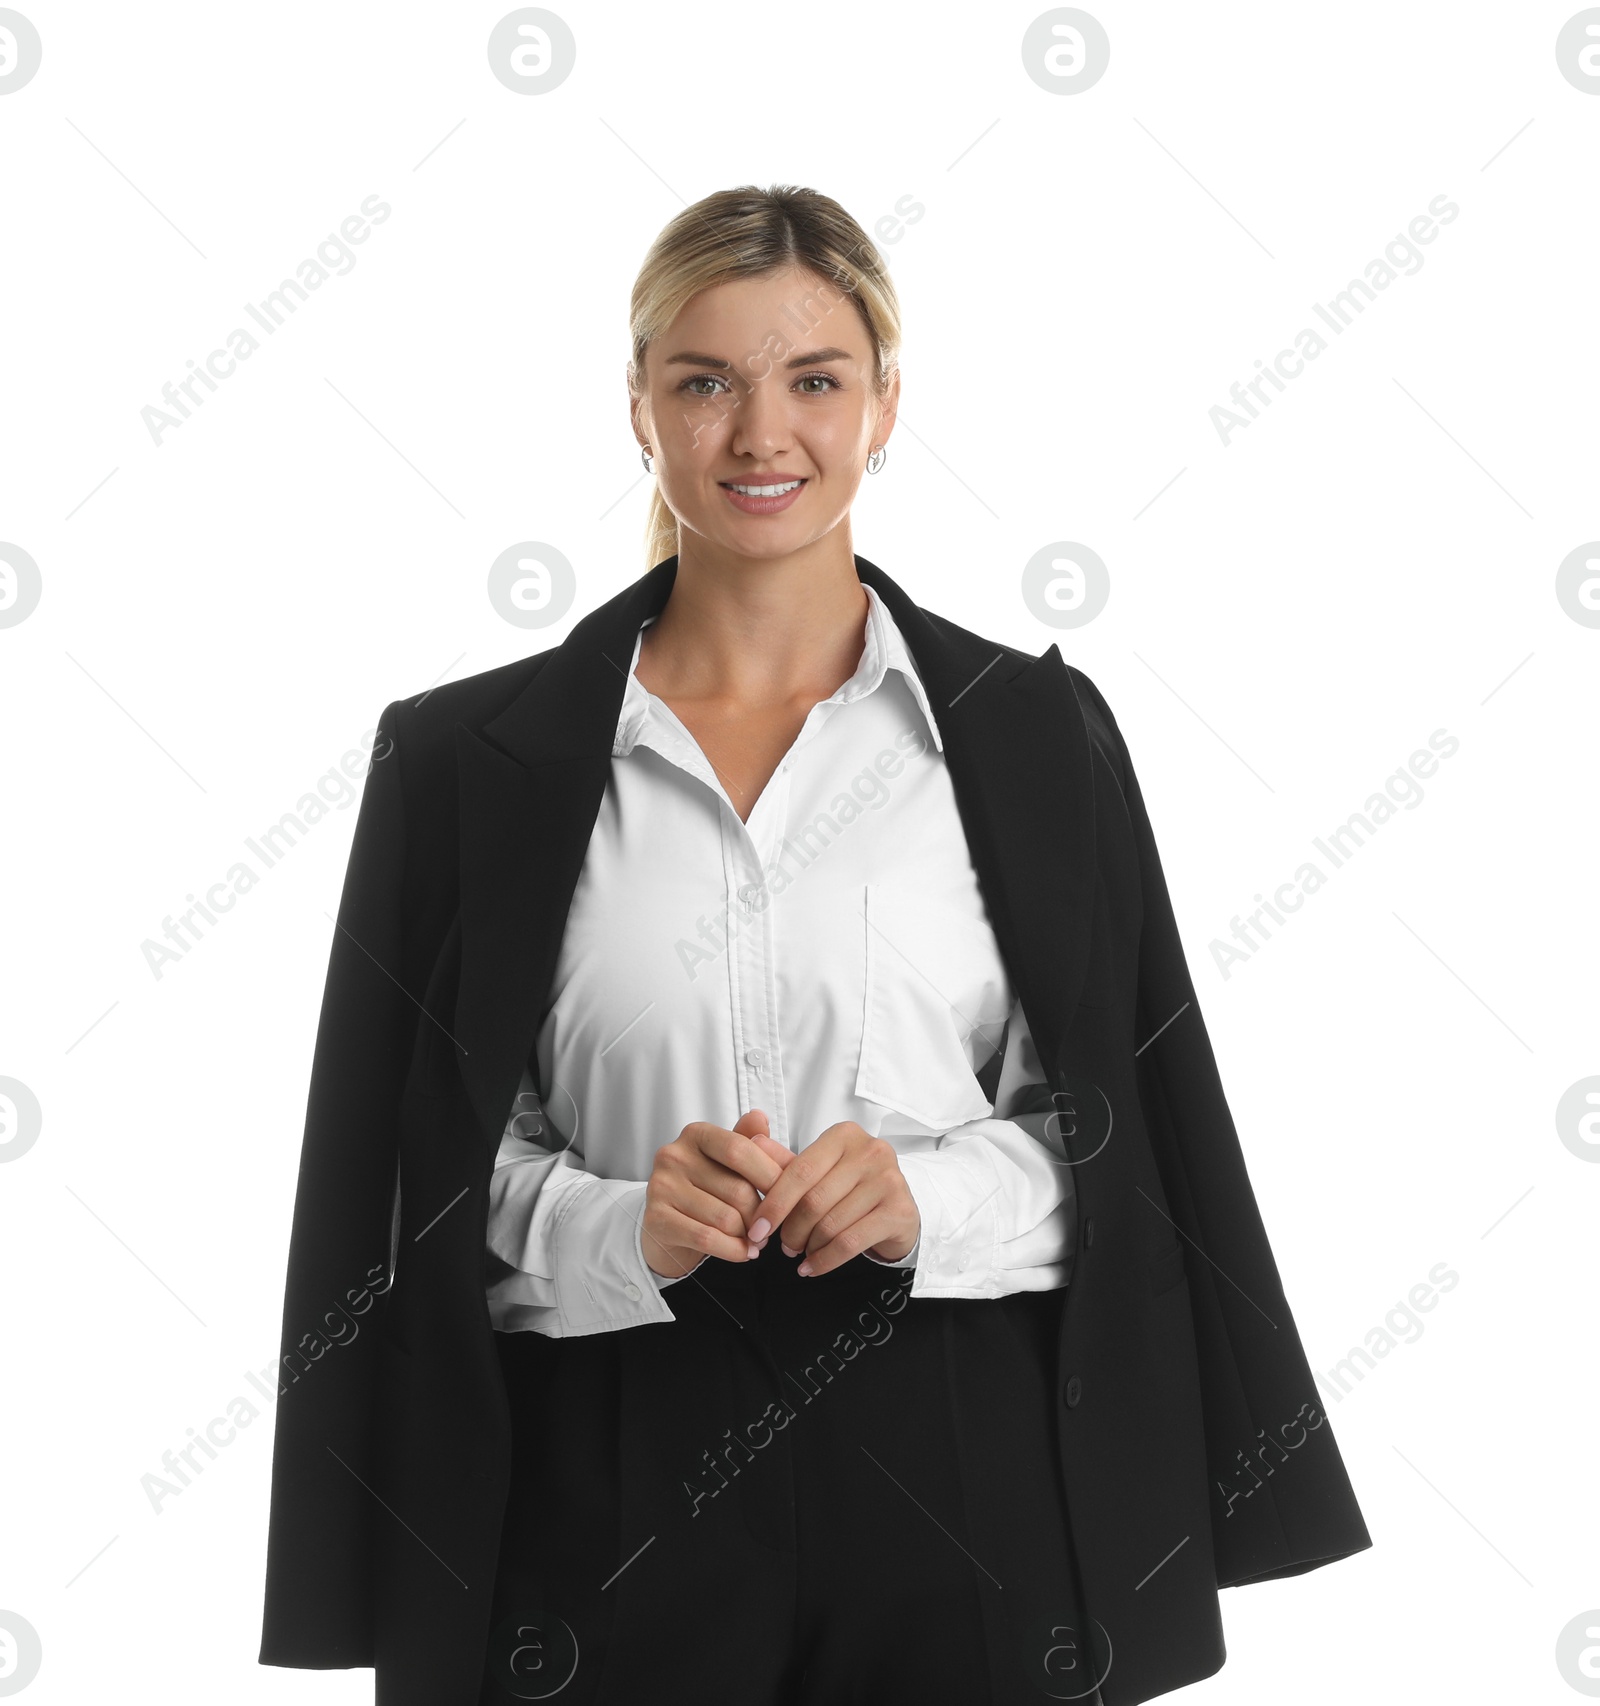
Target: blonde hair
(743,233)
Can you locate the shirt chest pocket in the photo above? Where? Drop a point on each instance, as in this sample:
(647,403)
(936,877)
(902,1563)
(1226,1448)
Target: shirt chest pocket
(937,999)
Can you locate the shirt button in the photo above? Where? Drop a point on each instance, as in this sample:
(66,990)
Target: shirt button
(631,1290)
(748,895)
(756,1057)
(1088,1232)
(1072,1391)
(963,1260)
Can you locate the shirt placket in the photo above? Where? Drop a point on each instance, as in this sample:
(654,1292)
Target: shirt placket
(749,926)
(752,969)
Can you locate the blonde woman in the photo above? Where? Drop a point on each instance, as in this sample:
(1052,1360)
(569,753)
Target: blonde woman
(769,1226)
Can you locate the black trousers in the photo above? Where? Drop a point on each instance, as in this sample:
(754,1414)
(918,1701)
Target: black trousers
(801,1492)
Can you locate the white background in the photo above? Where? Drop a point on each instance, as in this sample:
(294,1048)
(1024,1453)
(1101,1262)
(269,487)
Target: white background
(224,615)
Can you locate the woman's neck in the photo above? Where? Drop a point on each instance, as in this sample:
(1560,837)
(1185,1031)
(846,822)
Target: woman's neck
(747,631)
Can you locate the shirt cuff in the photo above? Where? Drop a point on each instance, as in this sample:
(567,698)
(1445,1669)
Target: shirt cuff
(957,1193)
(601,1283)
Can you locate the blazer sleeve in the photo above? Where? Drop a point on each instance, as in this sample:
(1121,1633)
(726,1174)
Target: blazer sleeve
(318,1610)
(1257,1389)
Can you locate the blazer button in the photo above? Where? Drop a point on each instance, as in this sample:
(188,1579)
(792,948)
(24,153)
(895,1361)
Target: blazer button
(1072,1391)
(1088,1232)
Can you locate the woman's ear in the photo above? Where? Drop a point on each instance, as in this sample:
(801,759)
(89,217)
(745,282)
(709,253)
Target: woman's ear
(891,407)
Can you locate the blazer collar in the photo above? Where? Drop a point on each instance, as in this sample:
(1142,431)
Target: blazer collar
(533,778)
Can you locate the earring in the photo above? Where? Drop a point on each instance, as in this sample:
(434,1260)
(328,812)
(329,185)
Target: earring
(644,457)
(880,455)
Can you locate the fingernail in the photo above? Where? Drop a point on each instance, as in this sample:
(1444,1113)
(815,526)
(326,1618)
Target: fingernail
(804,1268)
(786,1250)
(761,1228)
(755,1250)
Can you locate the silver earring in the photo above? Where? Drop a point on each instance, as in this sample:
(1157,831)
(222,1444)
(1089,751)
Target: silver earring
(880,455)
(644,457)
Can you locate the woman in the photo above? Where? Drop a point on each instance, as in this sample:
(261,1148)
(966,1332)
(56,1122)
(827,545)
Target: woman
(820,1262)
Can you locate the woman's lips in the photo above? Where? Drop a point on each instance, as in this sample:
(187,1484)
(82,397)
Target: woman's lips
(753,505)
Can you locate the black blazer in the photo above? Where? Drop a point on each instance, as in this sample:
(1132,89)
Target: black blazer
(1186,1411)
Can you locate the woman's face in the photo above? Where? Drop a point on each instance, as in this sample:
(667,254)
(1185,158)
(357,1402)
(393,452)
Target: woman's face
(762,382)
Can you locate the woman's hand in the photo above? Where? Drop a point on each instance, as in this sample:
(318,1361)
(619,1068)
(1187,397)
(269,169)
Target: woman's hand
(704,1190)
(841,1195)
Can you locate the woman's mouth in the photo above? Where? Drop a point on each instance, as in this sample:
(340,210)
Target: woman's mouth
(762,497)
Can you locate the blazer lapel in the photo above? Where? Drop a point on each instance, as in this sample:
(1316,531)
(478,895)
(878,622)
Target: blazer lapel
(532,781)
(1017,750)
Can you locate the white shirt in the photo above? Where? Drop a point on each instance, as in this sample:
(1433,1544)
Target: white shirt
(830,959)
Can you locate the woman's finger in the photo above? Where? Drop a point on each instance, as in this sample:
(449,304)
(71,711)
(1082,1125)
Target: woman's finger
(739,1154)
(808,1199)
(863,1219)
(670,1229)
(844,1146)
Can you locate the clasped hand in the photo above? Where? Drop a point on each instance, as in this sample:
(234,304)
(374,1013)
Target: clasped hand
(719,1192)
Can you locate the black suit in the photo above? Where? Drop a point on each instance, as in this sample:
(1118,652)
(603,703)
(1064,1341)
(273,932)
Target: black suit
(1179,1361)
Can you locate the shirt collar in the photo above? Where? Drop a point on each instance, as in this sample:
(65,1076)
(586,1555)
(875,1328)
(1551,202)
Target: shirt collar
(885,649)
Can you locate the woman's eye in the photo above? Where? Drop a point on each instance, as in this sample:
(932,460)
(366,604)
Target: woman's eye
(824,382)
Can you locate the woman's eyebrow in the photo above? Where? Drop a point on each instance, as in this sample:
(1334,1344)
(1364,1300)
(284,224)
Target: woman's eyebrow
(690,358)
(819,355)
